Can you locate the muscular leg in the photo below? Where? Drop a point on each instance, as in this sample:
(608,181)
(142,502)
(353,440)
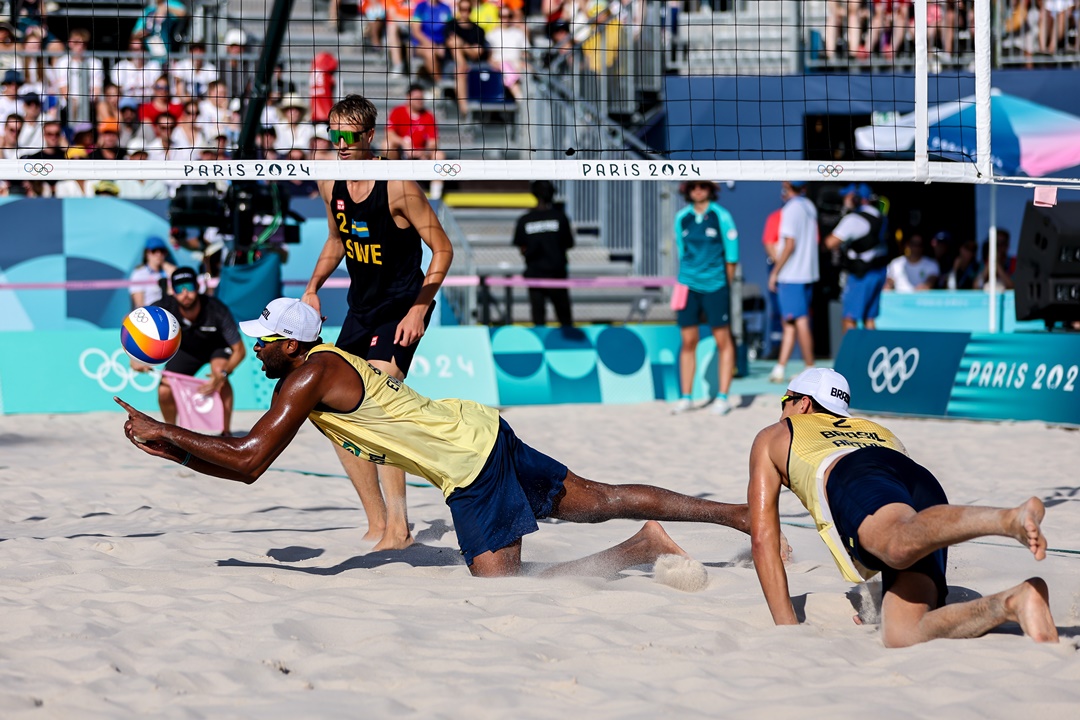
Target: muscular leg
(394,511)
(365,479)
(899,536)
(647,544)
(907,617)
(166,402)
(586,501)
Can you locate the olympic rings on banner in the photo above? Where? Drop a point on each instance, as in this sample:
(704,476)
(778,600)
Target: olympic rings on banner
(111,374)
(447,170)
(830,170)
(42,169)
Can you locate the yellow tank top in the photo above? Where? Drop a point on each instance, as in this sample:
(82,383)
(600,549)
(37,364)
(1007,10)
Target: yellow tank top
(816,441)
(446,442)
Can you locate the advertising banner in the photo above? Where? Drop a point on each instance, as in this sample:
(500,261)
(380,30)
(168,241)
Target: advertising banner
(901,372)
(1018,376)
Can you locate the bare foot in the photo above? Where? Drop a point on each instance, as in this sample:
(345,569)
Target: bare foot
(1026,527)
(394,541)
(653,536)
(373,534)
(1029,604)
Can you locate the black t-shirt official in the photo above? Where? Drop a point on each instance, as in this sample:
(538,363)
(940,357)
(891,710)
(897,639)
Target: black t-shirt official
(544,236)
(213,329)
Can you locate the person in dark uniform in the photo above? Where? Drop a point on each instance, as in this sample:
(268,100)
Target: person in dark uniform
(208,334)
(377,228)
(543,235)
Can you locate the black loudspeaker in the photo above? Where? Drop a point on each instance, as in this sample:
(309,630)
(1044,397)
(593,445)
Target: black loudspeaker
(1047,273)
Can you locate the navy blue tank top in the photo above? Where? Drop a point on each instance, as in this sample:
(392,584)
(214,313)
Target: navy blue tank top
(383,260)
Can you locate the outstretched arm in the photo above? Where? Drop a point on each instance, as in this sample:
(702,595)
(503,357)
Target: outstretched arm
(763,496)
(242,459)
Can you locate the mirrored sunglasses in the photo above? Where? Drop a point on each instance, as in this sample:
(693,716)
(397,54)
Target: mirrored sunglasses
(351,137)
(266,340)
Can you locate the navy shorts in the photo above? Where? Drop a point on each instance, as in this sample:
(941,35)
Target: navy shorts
(517,486)
(867,480)
(862,295)
(184,363)
(713,308)
(794,299)
(378,344)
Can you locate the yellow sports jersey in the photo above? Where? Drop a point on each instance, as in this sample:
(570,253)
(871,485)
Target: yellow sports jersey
(446,442)
(816,441)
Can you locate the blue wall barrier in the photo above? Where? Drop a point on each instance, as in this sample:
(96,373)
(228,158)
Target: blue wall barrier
(80,370)
(955,310)
(1020,376)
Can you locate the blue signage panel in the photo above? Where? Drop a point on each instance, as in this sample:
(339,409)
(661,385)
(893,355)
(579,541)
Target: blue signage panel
(901,372)
(1019,376)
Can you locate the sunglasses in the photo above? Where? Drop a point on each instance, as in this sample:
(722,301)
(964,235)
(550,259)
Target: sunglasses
(351,137)
(179,287)
(793,397)
(266,340)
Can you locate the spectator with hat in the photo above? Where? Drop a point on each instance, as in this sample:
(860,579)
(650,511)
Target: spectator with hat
(236,71)
(30,135)
(149,278)
(10,103)
(294,132)
(864,255)
(108,145)
(132,129)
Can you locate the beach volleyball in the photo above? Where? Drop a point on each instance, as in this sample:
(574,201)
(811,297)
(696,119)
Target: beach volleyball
(150,335)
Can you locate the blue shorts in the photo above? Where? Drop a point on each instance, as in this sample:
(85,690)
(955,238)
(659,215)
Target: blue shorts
(867,480)
(517,486)
(862,295)
(713,308)
(794,299)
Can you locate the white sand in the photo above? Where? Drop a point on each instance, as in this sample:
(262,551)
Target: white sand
(133,588)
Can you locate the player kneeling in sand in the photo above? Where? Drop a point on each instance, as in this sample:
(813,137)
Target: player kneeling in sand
(878,510)
(496,485)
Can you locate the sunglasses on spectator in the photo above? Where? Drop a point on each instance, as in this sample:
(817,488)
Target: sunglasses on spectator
(351,137)
(182,287)
(266,340)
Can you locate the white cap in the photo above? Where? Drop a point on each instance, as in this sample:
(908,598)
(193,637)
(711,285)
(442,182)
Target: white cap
(288,317)
(829,388)
(235,36)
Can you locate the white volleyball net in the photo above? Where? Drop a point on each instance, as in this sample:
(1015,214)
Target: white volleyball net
(511,90)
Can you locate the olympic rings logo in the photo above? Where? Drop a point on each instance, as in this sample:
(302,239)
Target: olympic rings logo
(42,169)
(447,170)
(890,369)
(830,170)
(111,374)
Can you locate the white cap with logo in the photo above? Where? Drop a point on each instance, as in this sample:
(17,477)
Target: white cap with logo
(287,317)
(829,388)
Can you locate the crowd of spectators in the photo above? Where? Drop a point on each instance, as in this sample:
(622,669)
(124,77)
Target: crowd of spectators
(862,29)
(159,99)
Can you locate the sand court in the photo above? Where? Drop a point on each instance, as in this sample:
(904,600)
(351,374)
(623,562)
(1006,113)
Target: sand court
(134,587)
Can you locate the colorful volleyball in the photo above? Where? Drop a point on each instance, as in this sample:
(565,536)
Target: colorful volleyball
(150,335)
